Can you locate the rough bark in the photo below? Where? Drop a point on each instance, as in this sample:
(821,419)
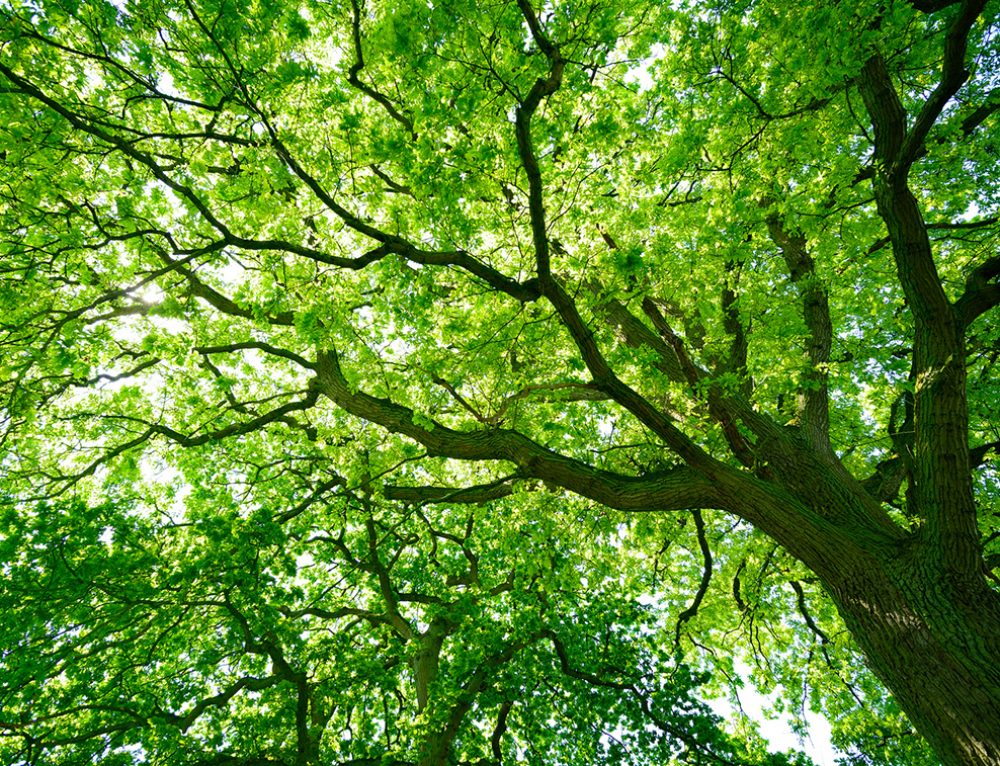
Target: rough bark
(929,634)
(933,641)
(916,602)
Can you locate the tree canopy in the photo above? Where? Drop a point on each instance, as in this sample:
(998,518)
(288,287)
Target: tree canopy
(483,383)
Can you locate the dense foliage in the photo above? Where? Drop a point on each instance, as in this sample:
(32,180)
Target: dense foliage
(460,382)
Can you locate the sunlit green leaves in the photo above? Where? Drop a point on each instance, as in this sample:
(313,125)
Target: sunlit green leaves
(199,200)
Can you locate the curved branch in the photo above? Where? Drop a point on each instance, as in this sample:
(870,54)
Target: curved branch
(725,410)
(499,730)
(953,76)
(981,292)
(390,244)
(359,64)
(237,429)
(267,348)
(641,698)
(542,88)
(476,495)
(439,743)
(185,722)
(800,598)
(989,107)
(706,577)
(604,377)
(942,490)
(677,489)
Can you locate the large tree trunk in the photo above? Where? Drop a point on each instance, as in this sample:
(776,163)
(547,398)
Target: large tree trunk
(930,631)
(922,611)
(935,643)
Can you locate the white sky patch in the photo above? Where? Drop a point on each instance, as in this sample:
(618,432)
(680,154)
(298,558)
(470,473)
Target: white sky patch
(177,512)
(400,347)
(165,84)
(778,731)
(330,56)
(171,325)
(232,273)
(606,426)
(95,79)
(151,294)
(640,74)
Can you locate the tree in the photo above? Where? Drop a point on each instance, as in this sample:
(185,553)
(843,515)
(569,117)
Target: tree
(311,638)
(267,262)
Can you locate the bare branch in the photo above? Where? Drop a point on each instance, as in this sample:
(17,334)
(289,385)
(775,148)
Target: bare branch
(475,495)
(706,577)
(267,348)
(989,107)
(982,293)
(185,722)
(678,488)
(804,611)
(499,730)
(720,407)
(953,76)
(359,64)
(237,429)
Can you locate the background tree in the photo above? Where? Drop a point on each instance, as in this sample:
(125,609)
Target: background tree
(347,634)
(662,258)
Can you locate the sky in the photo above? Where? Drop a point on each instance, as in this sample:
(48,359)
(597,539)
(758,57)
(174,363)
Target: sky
(779,732)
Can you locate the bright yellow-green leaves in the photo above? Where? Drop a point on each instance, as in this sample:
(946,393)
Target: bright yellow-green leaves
(200,198)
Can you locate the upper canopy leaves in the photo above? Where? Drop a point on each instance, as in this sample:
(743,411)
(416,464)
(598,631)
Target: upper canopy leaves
(295,264)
